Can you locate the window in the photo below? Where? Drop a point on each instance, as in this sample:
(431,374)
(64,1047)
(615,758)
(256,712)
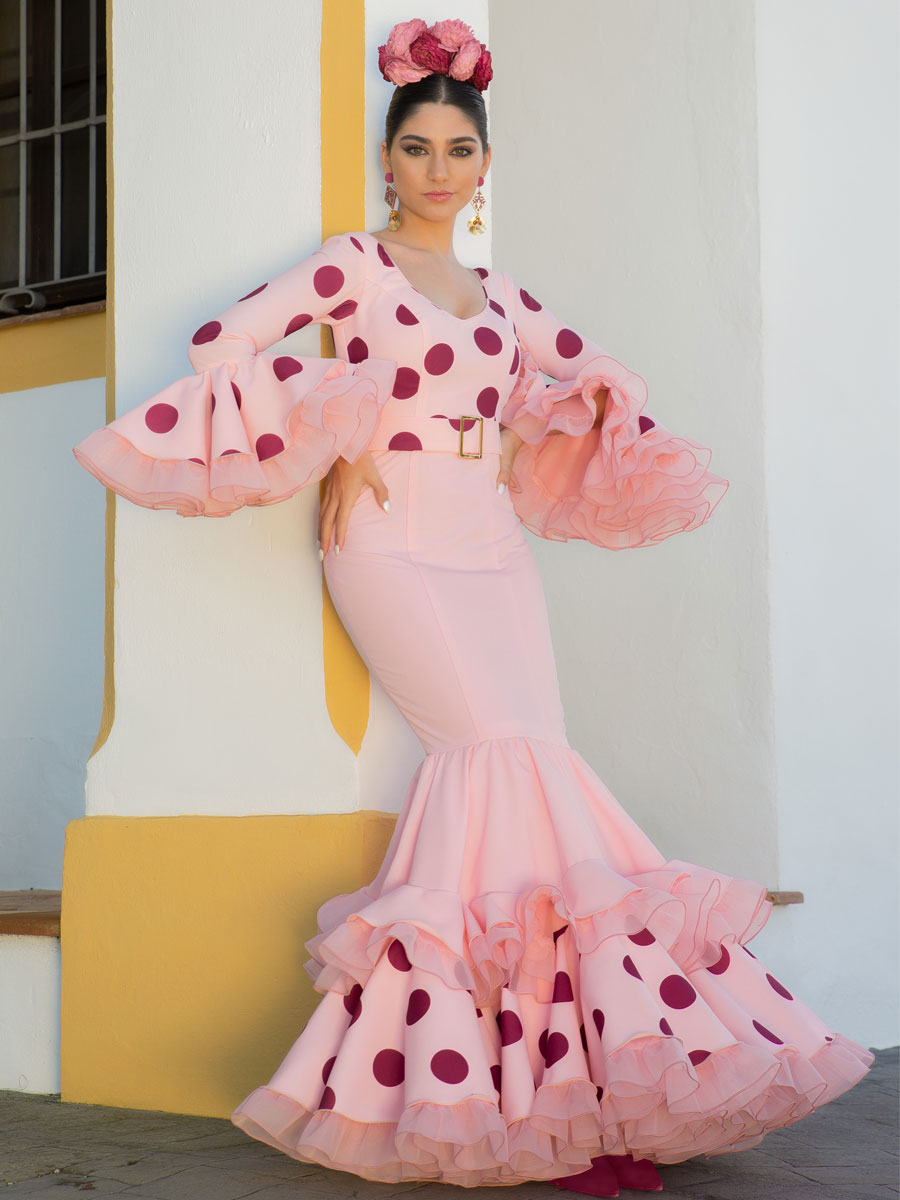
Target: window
(52,154)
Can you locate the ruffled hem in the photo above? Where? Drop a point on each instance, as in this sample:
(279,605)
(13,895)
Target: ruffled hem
(240,433)
(478,1033)
(726,1104)
(629,483)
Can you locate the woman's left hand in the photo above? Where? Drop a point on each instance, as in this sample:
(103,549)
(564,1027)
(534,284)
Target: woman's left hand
(509,447)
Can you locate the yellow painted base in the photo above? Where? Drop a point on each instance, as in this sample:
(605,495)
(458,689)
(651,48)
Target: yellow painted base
(182,949)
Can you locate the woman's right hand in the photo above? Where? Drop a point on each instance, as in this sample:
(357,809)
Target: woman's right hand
(343,483)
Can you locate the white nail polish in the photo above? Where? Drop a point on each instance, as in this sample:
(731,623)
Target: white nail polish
(337,548)
(321,554)
(501,487)
(386,506)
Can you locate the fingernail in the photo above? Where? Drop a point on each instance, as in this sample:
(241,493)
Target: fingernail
(337,548)
(386,506)
(321,554)
(501,487)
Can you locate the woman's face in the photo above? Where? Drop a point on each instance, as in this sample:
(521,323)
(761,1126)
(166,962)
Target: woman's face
(436,149)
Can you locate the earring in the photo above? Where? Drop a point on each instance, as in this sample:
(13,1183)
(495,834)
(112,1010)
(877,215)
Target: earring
(476,225)
(390,197)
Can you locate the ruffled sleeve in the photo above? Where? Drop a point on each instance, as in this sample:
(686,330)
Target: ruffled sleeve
(249,428)
(629,482)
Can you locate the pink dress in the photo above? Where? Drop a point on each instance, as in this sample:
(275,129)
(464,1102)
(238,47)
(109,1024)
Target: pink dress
(528,982)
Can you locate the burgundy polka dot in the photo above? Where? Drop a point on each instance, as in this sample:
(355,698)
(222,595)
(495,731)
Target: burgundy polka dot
(404,316)
(599,1021)
(197,460)
(562,988)
(356,243)
(628,964)
(255,292)
(404,441)
(327,1100)
(645,423)
(665,1027)
(721,963)
(212,404)
(357,350)
(328,280)
(750,952)
(384,256)
(498,308)
(388,1067)
(677,992)
(326,1070)
(779,987)
(514,366)
(568,343)
(224,452)
(406,383)
(457,421)
(449,1066)
(478,1012)
(583,1037)
(160,418)
(529,301)
(417,1006)
(344,310)
(767,1033)
(642,938)
(553,1046)
(697,1056)
(828,1037)
(495,1076)
(488,340)
(296,323)
(397,956)
(510,1027)
(439,359)
(236,392)
(207,333)
(353,1001)
(482,271)
(557,933)
(267,445)
(284,367)
(599,1093)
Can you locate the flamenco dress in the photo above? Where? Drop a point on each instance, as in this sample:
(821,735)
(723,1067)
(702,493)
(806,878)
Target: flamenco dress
(528,982)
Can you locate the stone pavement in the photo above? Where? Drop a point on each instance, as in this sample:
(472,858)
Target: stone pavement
(50,1150)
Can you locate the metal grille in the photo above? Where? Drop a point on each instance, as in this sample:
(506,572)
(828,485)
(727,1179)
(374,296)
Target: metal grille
(52,154)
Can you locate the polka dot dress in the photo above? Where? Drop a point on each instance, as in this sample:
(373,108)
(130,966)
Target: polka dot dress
(528,982)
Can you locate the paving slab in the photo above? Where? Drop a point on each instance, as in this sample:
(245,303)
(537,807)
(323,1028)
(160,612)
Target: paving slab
(847,1150)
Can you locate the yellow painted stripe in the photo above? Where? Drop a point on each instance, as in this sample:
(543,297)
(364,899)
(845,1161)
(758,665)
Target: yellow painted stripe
(52,349)
(343,129)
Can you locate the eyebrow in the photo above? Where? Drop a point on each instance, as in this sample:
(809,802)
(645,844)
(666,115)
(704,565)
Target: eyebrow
(417,138)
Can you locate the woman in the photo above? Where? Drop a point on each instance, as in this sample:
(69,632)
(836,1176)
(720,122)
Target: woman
(528,989)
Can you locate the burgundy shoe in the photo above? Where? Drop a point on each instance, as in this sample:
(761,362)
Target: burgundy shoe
(598,1180)
(639,1174)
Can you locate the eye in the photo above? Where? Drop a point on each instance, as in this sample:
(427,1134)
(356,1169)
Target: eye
(464,151)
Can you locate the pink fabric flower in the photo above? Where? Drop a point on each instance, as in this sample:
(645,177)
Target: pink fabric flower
(465,58)
(427,51)
(397,66)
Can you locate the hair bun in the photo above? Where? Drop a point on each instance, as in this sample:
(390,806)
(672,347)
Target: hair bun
(414,50)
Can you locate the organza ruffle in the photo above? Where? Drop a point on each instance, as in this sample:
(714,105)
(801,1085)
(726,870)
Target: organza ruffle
(630,482)
(478,1032)
(250,432)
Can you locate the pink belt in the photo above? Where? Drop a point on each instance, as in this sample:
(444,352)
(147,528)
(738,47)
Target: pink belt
(468,436)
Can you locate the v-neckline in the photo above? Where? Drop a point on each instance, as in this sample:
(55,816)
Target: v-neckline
(439,307)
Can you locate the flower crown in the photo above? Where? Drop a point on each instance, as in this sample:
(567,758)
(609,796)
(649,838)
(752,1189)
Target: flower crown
(414,50)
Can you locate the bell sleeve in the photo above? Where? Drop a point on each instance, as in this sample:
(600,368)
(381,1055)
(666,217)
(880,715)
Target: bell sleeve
(247,427)
(629,482)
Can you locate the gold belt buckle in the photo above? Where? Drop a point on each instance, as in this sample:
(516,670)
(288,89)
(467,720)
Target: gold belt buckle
(462,430)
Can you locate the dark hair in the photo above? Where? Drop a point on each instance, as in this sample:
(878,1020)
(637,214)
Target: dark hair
(436,89)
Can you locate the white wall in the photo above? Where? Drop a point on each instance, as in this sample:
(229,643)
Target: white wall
(827,97)
(51,624)
(709,189)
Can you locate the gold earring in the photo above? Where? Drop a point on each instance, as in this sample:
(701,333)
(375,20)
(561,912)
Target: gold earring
(476,225)
(391,198)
